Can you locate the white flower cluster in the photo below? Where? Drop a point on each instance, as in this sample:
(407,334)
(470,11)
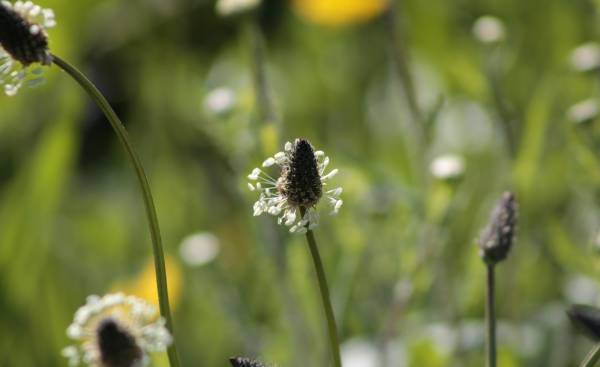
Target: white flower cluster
(139,318)
(274,202)
(13,74)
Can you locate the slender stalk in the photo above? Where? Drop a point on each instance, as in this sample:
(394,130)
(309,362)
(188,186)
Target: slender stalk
(324,288)
(119,129)
(592,358)
(266,107)
(503,112)
(400,60)
(490,314)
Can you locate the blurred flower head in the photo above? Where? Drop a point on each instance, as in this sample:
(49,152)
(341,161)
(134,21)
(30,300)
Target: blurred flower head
(497,238)
(245,362)
(23,44)
(359,353)
(231,7)
(447,167)
(336,13)
(299,187)
(586,57)
(583,112)
(199,248)
(115,331)
(220,101)
(586,319)
(488,29)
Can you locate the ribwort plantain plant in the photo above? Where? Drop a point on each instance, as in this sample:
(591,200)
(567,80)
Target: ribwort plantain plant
(116,331)
(24,50)
(293,198)
(495,244)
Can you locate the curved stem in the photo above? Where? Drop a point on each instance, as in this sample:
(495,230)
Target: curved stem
(331,325)
(593,357)
(490,314)
(119,129)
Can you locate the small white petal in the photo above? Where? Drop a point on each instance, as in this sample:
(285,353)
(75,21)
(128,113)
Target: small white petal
(269,162)
(280,158)
(335,192)
(274,210)
(254,175)
(251,187)
(330,174)
(288,146)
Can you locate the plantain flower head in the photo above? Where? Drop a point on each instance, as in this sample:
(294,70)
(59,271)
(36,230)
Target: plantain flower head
(498,237)
(301,185)
(23,44)
(116,331)
(245,362)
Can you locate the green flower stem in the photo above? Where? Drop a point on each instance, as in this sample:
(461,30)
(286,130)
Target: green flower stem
(331,325)
(490,315)
(266,107)
(117,125)
(400,61)
(592,358)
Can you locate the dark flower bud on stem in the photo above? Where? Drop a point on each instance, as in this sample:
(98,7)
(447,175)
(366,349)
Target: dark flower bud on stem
(245,362)
(118,348)
(300,180)
(25,41)
(586,319)
(497,238)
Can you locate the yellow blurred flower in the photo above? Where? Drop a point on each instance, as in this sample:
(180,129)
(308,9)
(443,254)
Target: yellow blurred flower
(338,13)
(143,285)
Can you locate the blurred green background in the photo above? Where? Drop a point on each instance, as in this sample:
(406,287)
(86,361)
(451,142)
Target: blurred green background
(406,279)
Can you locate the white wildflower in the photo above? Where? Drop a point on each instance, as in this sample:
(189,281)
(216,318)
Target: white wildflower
(302,183)
(23,44)
(116,330)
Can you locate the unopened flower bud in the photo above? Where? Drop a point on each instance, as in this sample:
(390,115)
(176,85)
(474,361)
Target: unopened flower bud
(497,238)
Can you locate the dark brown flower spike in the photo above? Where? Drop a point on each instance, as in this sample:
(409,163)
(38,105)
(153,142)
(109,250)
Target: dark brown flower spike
(498,237)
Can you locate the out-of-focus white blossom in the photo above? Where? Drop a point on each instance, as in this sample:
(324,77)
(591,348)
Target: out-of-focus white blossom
(586,57)
(231,7)
(488,29)
(448,166)
(584,111)
(199,248)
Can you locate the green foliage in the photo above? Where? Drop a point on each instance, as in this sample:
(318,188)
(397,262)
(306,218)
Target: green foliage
(401,255)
